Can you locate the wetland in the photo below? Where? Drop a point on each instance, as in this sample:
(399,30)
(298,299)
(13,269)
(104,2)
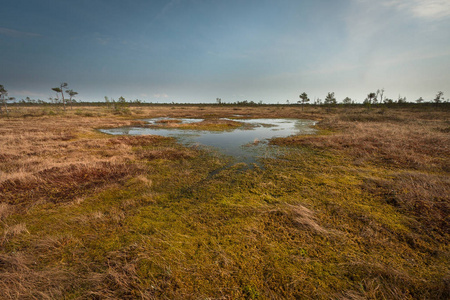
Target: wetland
(357,210)
(245,142)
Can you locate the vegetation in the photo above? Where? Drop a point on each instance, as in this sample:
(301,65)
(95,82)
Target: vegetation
(347,101)
(72,94)
(304,99)
(330,99)
(211,123)
(60,90)
(439,97)
(4,99)
(359,211)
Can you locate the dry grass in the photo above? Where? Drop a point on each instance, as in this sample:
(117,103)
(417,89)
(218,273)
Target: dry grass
(5,210)
(425,196)
(57,159)
(297,216)
(417,144)
(207,124)
(63,184)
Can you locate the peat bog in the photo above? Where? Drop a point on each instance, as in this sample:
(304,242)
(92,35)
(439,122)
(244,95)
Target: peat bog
(359,210)
(245,140)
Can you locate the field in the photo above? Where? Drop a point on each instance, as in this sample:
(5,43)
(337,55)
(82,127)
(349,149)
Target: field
(358,211)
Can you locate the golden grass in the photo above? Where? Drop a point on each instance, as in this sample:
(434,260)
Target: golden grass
(207,124)
(411,144)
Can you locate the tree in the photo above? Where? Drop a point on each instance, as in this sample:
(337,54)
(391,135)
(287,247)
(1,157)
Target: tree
(439,97)
(330,99)
(71,94)
(401,100)
(4,98)
(3,95)
(388,101)
(420,100)
(108,103)
(121,103)
(370,98)
(375,99)
(381,92)
(219,101)
(62,87)
(304,98)
(347,101)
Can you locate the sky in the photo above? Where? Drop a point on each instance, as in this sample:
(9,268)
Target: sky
(190,51)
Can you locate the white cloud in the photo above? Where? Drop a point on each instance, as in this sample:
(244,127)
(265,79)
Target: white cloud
(428,9)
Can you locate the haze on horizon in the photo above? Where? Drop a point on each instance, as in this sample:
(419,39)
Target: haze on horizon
(198,50)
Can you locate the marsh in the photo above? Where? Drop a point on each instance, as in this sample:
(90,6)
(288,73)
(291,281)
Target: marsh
(244,143)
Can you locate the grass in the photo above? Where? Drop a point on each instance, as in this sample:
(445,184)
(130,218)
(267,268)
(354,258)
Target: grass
(359,211)
(212,124)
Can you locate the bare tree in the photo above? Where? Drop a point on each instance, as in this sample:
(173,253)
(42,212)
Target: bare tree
(108,103)
(379,93)
(4,99)
(375,100)
(3,95)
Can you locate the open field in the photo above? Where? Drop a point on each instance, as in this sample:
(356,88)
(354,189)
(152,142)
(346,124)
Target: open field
(359,211)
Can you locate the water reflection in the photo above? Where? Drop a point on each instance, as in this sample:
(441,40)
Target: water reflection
(244,144)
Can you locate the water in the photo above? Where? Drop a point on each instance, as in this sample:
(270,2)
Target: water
(243,144)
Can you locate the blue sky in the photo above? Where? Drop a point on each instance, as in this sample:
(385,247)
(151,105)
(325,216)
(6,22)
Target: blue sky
(198,50)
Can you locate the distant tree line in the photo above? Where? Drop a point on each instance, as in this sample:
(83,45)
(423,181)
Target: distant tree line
(121,105)
(373,98)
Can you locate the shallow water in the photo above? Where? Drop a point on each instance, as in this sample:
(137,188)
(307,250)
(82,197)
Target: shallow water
(244,144)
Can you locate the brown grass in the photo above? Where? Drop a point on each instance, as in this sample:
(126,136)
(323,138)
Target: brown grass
(414,144)
(20,281)
(62,184)
(425,196)
(411,144)
(207,124)
(298,216)
(60,158)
